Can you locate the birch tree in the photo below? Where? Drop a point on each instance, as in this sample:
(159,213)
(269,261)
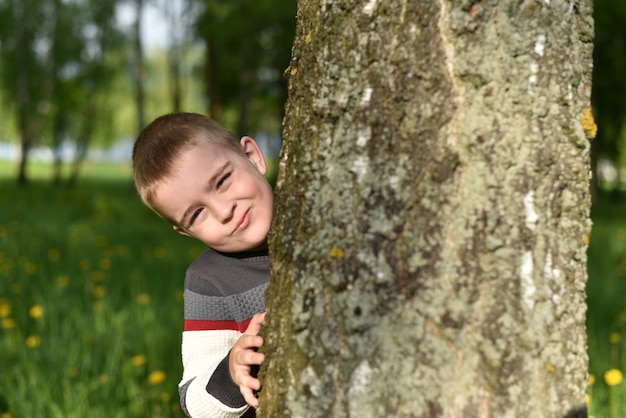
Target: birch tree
(432,212)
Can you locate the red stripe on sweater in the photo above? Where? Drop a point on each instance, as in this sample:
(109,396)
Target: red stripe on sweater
(205,325)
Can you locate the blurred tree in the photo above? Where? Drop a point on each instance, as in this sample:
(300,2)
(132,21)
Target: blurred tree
(179,16)
(81,76)
(429,249)
(25,34)
(609,81)
(138,65)
(99,65)
(58,73)
(247,50)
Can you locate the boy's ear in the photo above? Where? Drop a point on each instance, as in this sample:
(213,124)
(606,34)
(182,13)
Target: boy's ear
(254,153)
(180,230)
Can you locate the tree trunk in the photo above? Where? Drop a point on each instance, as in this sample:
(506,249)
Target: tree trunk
(432,212)
(23,95)
(58,133)
(212,81)
(139,66)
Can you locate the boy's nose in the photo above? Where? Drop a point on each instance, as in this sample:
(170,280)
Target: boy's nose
(224,211)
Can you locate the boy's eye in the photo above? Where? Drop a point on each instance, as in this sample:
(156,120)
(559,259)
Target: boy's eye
(222,180)
(194,216)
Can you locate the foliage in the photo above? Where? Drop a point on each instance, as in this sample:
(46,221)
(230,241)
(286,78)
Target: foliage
(65,68)
(251,43)
(609,83)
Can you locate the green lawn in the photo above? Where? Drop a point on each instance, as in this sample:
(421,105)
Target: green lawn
(91,302)
(606,299)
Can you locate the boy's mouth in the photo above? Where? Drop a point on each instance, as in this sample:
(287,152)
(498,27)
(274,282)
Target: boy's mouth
(243,221)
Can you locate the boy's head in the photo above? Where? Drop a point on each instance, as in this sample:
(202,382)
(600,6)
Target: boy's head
(206,182)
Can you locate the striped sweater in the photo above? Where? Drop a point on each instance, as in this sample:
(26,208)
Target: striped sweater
(222,293)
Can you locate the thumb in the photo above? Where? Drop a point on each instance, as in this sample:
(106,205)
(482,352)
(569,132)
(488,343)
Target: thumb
(254,327)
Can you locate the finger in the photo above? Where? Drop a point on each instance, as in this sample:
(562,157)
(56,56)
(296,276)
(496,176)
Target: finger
(255,324)
(247,343)
(253,358)
(247,358)
(249,397)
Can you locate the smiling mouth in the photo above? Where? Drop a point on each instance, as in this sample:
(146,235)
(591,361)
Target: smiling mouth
(243,222)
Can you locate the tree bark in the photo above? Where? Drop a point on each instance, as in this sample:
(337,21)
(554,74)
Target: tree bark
(432,212)
(23,98)
(212,81)
(139,66)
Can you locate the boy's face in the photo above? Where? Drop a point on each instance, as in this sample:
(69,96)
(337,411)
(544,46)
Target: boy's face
(219,197)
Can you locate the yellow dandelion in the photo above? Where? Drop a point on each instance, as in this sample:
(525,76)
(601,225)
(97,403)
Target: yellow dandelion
(36,311)
(613,377)
(105,264)
(97,276)
(143,299)
(104,378)
(33,341)
(16,289)
(7,323)
(165,397)
(30,268)
(99,291)
(159,252)
(54,254)
(156,377)
(587,399)
(72,372)
(592,379)
(6,415)
(103,240)
(138,360)
(614,337)
(63,282)
(121,249)
(5,309)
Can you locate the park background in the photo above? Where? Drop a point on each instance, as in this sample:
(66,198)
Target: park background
(91,281)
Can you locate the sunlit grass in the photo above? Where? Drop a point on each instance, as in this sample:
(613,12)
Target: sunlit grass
(88,171)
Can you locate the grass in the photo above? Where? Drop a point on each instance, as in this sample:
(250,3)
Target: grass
(91,302)
(606,300)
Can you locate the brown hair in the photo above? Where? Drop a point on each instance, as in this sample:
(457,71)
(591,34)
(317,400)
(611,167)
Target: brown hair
(163,140)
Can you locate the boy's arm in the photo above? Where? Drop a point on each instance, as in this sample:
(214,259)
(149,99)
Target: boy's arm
(206,389)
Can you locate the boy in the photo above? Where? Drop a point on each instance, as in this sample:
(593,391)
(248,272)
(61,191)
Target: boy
(210,185)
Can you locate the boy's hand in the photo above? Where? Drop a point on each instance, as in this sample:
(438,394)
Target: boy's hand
(243,356)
